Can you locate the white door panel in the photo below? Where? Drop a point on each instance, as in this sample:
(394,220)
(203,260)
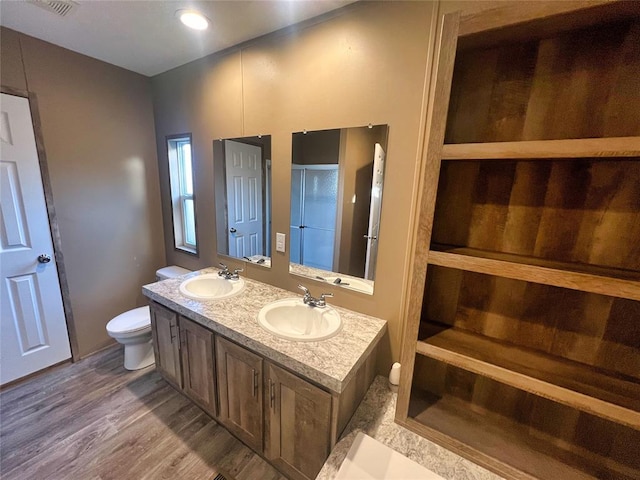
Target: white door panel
(33,328)
(244,198)
(14,220)
(27,314)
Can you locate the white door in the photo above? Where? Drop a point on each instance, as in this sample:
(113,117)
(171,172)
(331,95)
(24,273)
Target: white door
(244,198)
(33,328)
(374,212)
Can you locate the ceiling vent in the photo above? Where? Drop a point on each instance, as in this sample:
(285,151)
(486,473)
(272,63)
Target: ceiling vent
(59,7)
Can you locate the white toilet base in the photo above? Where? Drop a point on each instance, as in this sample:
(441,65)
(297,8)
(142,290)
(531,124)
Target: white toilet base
(138,355)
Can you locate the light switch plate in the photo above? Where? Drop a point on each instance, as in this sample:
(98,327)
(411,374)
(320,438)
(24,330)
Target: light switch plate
(280,242)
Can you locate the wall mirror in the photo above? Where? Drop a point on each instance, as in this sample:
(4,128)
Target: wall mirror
(336,198)
(242,173)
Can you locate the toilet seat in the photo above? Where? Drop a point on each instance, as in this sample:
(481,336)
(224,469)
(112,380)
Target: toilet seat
(131,322)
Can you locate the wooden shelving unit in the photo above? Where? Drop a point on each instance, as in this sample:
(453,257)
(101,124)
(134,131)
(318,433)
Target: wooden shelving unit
(522,344)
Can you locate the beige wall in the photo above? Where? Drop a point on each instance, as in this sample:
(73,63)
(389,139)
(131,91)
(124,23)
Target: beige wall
(97,124)
(367,65)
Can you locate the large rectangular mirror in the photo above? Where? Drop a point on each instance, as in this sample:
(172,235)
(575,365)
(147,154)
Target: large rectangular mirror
(242,173)
(336,198)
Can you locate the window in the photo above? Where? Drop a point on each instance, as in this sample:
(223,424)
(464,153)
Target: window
(182,200)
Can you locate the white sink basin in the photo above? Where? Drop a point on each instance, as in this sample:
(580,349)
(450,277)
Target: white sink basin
(352,283)
(210,286)
(293,320)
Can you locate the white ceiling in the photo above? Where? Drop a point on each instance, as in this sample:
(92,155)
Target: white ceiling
(145,36)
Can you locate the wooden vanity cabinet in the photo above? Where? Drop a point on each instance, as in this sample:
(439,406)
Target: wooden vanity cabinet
(278,414)
(184,355)
(198,364)
(297,424)
(166,343)
(240,390)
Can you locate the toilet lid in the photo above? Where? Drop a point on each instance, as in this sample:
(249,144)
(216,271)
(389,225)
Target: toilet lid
(136,319)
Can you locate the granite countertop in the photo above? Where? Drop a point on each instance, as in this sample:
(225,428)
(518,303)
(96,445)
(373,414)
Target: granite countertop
(330,363)
(320,275)
(375,417)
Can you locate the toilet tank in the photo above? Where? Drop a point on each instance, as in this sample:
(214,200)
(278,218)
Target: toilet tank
(170,272)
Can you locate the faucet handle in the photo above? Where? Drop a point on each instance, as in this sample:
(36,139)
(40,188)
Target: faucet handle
(304,289)
(325,295)
(238,270)
(224,271)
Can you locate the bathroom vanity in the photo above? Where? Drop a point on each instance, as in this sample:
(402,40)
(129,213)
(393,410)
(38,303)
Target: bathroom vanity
(288,401)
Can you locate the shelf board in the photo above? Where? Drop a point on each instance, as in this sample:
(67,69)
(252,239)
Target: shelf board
(594,279)
(612,147)
(504,445)
(579,386)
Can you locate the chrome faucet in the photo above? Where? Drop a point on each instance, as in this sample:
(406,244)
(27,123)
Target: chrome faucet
(312,301)
(227,275)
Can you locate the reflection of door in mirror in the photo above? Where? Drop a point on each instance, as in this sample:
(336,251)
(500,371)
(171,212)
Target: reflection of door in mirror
(244,198)
(314,200)
(359,201)
(375,210)
(242,187)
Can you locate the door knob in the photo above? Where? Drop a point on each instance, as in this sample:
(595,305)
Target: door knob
(232,230)
(44,258)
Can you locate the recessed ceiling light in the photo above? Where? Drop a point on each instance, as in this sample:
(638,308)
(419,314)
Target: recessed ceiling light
(193,19)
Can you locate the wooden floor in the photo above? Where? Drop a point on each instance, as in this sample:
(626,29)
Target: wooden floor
(96,420)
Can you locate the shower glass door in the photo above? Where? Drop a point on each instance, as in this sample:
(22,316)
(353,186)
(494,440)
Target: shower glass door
(314,201)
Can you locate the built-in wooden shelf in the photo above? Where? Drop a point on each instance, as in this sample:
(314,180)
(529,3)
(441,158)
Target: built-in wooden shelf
(510,448)
(612,147)
(614,282)
(608,395)
(527,362)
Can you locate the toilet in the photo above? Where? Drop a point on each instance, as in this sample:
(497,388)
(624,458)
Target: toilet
(133,328)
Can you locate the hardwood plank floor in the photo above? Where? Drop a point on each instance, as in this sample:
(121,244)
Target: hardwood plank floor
(96,420)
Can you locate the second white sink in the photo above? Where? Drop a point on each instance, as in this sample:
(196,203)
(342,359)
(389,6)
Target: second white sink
(210,286)
(293,320)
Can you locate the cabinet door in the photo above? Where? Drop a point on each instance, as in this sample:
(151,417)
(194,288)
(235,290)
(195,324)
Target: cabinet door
(240,386)
(198,369)
(166,343)
(297,424)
